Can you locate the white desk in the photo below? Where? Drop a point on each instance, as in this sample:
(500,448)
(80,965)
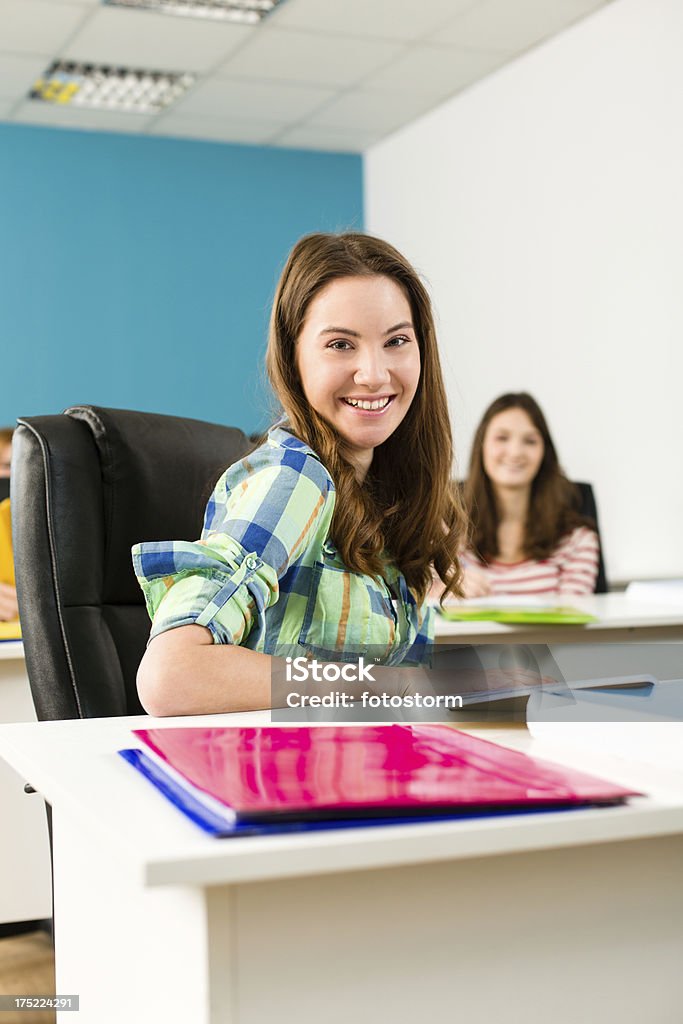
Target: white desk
(25,884)
(560,917)
(620,619)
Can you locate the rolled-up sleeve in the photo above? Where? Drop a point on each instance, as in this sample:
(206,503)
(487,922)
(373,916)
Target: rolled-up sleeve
(216,585)
(259,519)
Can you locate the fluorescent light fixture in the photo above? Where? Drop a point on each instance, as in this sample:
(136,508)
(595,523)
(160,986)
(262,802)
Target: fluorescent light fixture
(248,12)
(103,87)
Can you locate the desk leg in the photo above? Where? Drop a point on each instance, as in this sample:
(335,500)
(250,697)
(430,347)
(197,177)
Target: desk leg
(131,953)
(25,883)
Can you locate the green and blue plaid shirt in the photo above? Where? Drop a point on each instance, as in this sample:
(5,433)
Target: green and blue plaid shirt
(265,574)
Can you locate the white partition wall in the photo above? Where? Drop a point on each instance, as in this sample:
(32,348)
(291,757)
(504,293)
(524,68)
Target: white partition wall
(545,207)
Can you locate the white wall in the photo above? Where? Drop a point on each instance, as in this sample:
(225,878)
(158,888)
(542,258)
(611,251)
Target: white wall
(545,208)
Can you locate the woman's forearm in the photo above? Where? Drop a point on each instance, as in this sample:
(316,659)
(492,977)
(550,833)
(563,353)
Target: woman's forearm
(184,673)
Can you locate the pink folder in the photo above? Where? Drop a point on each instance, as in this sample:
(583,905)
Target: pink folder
(271,773)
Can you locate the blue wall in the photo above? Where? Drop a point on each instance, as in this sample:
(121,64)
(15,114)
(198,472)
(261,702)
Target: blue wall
(138,272)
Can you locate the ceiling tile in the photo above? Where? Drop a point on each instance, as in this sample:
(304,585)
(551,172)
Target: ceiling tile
(373,112)
(222,129)
(38,26)
(35,112)
(511,26)
(293,56)
(265,101)
(435,72)
(307,137)
(158,42)
(18,73)
(390,19)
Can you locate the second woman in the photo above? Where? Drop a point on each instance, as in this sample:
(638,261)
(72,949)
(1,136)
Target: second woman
(527,534)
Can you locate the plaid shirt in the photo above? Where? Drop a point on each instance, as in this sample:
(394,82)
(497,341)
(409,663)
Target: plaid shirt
(265,574)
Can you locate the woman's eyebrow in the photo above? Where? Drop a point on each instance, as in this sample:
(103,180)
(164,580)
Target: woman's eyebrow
(355,334)
(340,330)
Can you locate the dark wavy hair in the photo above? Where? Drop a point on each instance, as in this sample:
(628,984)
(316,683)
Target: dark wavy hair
(554,502)
(407,507)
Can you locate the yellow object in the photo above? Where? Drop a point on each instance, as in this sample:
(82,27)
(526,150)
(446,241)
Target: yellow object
(10,630)
(56,90)
(6,560)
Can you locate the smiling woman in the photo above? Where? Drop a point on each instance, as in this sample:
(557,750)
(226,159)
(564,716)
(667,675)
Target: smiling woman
(313,545)
(528,536)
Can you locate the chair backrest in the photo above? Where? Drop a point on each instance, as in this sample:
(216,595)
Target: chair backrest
(589,508)
(86,486)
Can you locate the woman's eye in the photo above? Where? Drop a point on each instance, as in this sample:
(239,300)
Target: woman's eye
(339,345)
(398,341)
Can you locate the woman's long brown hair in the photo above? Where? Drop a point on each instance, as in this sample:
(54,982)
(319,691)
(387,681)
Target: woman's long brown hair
(406,509)
(554,501)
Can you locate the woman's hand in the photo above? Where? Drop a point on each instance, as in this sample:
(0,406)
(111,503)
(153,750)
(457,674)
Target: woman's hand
(9,609)
(475,583)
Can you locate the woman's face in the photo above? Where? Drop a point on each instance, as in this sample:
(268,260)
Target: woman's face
(513,450)
(359,361)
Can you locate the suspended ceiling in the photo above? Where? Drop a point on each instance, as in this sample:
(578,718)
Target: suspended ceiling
(318,74)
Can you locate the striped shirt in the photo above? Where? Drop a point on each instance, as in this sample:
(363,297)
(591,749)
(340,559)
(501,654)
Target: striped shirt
(571,569)
(266,575)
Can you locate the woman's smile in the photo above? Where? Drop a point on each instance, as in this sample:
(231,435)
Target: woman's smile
(367,405)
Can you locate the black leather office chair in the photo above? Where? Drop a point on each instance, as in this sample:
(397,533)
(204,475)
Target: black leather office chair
(87,485)
(588,508)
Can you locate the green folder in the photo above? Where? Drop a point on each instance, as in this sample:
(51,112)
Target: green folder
(561,615)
